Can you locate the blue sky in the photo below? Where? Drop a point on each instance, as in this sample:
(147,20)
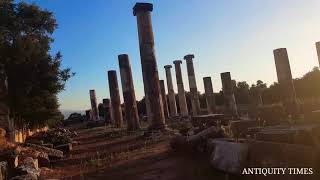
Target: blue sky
(236,36)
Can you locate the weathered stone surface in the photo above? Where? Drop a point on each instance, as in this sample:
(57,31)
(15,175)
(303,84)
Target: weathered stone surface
(149,66)
(240,128)
(228,94)
(318,50)
(164,99)
(65,148)
(194,95)
(181,92)
(94,105)
(298,134)
(230,157)
(209,120)
(171,93)
(115,99)
(107,108)
(30,166)
(130,103)
(25,177)
(2,132)
(285,81)
(211,103)
(52,153)
(3,170)
(269,154)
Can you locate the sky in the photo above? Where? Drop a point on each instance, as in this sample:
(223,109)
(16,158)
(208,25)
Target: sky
(235,36)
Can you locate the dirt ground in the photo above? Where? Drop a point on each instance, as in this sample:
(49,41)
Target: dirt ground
(112,154)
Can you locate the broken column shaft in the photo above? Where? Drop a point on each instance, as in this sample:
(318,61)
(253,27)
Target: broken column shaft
(181,93)
(211,104)
(285,81)
(171,94)
(195,103)
(107,107)
(115,99)
(149,66)
(94,105)
(164,99)
(129,97)
(318,51)
(228,94)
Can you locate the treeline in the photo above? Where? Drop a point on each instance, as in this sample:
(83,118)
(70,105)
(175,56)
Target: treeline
(34,76)
(307,90)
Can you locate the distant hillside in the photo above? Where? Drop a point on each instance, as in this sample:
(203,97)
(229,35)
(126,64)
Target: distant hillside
(67,112)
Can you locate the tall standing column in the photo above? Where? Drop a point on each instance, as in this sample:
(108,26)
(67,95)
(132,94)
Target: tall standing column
(164,99)
(229,99)
(107,107)
(318,51)
(115,99)
(94,105)
(211,104)
(171,94)
(181,93)
(149,65)
(285,80)
(129,97)
(195,103)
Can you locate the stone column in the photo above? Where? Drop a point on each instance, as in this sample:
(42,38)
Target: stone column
(229,99)
(195,103)
(318,50)
(149,66)
(285,80)
(181,93)
(129,97)
(211,103)
(107,107)
(94,105)
(164,99)
(116,112)
(171,94)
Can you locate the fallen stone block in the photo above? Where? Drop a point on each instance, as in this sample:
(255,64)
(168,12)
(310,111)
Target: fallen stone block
(52,153)
(269,155)
(66,148)
(240,128)
(229,157)
(25,177)
(299,134)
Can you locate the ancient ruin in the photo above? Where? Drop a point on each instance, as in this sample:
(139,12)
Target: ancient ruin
(208,89)
(285,80)
(130,104)
(164,99)
(116,112)
(318,51)
(241,131)
(149,65)
(229,99)
(181,93)
(94,105)
(193,85)
(171,93)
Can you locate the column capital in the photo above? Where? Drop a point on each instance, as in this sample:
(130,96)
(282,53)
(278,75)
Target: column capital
(123,56)
(177,62)
(167,66)
(188,57)
(142,7)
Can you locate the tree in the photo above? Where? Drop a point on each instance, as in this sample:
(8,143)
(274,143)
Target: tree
(35,77)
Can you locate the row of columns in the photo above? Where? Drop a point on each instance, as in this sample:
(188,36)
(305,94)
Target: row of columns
(156,103)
